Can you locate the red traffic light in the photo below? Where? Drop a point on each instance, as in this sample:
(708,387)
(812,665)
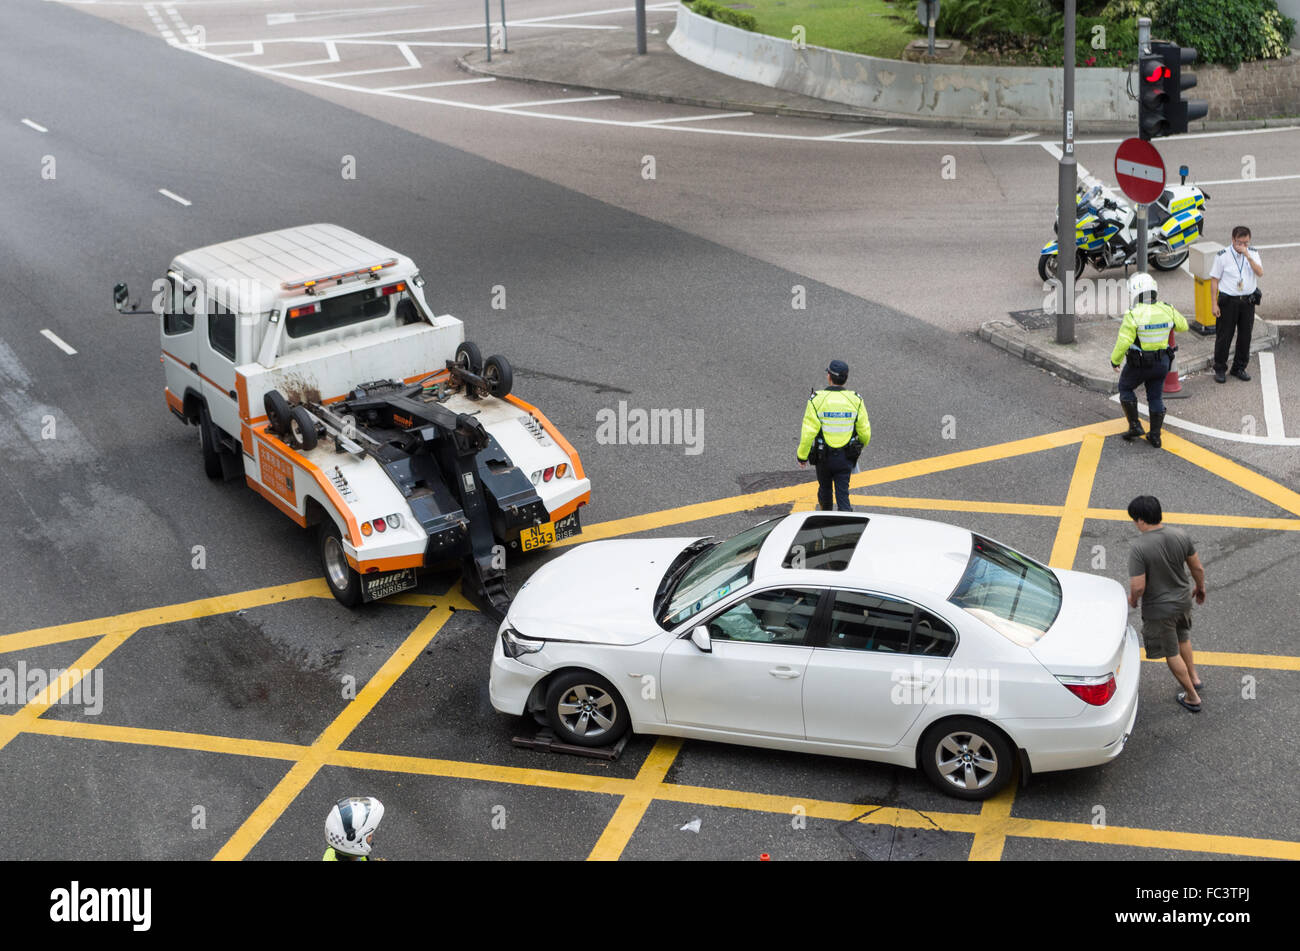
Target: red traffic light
(1159,74)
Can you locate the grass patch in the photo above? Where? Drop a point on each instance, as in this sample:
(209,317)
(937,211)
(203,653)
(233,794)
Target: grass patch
(870,27)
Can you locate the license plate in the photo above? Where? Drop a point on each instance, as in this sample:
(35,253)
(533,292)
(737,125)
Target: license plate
(374,587)
(542,535)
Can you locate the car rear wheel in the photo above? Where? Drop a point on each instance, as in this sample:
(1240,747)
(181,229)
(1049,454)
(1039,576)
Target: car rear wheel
(343,580)
(967,758)
(583,709)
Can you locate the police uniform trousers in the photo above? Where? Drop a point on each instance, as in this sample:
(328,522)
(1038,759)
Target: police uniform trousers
(1236,315)
(834,470)
(1145,369)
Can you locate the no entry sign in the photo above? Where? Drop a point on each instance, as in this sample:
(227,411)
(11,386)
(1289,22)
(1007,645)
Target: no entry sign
(1140,170)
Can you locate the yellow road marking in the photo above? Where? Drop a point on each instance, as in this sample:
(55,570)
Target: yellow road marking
(171,739)
(995,815)
(958,505)
(150,617)
(1221,659)
(1233,472)
(266,814)
(1076,503)
(1213,521)
(1155,838)
(649,779)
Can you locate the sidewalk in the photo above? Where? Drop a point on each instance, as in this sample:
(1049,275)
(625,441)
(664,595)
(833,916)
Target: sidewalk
(1032,337)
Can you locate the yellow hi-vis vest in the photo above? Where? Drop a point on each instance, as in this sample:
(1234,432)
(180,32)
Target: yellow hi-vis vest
(836,413)
(1147,327)
(332,856)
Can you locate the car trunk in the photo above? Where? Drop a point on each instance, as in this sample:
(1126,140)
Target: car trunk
(1087,638)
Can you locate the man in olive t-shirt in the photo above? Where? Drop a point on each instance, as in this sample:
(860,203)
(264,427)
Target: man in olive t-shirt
(1158,565)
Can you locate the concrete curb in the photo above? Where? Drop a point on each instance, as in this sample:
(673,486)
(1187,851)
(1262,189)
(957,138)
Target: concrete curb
(1043,351)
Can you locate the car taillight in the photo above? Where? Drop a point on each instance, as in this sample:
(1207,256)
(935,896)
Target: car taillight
(1092,690)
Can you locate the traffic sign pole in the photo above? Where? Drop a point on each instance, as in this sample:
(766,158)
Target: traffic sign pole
(1065,191)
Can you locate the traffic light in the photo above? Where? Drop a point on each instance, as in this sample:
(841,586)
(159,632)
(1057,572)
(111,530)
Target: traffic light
(1162,110)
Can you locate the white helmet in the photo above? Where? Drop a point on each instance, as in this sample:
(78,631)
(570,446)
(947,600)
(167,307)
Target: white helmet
(1140,284)
(350,826)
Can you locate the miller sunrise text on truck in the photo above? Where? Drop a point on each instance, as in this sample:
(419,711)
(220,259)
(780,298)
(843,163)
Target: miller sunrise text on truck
(313,367)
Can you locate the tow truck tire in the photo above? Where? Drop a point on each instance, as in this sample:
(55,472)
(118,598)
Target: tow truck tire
(208,446)
(277,412)
(469,358)
(302,429)
(343,581)
(499,376)
(576,704)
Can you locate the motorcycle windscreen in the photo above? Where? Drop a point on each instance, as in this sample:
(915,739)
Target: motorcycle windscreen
(1182,228)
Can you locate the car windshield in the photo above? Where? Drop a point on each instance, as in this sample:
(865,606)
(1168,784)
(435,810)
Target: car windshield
(1013,594)
(719,571)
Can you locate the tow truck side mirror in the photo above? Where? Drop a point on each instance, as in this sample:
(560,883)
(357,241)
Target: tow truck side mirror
(700,638)
(120,295)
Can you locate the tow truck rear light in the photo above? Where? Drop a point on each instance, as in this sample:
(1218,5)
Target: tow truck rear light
(366,529)
(1091,690)
(304,310)
(546,476)
(392,289)
(560,470)
(380,525)
(536,476)
(394,521)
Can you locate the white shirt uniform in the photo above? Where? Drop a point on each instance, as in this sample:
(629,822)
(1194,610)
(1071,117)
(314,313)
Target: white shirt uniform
(1235,275)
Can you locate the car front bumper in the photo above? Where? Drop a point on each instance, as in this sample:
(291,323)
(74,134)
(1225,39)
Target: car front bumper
(511,682)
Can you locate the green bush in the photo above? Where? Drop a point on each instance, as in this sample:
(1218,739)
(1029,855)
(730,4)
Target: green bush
(707,8)
(1226,31)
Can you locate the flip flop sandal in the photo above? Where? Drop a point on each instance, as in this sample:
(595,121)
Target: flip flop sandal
(1182,702)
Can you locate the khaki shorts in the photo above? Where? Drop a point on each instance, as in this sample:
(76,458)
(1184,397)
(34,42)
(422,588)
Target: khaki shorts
(1161,636)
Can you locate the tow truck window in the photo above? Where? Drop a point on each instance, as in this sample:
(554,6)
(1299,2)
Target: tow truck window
(331,313)
(177,318)
(221,331)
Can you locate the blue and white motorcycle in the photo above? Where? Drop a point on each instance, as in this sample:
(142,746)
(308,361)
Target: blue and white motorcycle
(1105,234)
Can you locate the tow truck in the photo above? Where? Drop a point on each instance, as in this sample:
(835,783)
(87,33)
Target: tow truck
(381,427)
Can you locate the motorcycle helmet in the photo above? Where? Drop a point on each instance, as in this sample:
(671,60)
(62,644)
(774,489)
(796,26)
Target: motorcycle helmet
(351,824)
(1140,284)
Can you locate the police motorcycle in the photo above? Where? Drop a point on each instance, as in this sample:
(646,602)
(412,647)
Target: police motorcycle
(1105,233)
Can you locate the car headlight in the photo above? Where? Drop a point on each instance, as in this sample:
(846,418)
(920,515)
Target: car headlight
(514,645)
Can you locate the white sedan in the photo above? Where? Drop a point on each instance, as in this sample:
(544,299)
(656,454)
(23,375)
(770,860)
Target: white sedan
(870,636)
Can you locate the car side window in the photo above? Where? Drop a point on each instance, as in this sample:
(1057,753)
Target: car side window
(221,330)
(868,622)
(933,636)
(770,617)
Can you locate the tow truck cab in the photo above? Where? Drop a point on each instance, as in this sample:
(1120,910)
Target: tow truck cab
(316,312)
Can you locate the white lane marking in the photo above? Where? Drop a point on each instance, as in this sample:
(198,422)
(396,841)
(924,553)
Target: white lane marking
(175,197)
(53,338)
(1282,323)
(1247,181)
(1082,172)
(276,19)
(445,82)
(1266,247)
(849,135)
(1019,138)
(553,102)
(565,26)
(1272,400)
(1191,427)
(716,115)
(257,50)
(411,63)
(331,51)
(35,125)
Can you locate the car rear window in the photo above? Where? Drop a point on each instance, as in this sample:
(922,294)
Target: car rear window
(340,311)
(825,543)
(1010,592)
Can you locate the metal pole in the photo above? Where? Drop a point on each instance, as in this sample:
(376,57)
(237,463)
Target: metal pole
(640,27)
(1140,222)
(1065,189)
(505,43)
(487,27)
(929,18)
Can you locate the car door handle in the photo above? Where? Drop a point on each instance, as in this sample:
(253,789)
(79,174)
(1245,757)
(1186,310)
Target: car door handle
(785,673)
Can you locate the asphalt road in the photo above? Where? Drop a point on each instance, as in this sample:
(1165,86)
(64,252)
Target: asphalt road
(666,293)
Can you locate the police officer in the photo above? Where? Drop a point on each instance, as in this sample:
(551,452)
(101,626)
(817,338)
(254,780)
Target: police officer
(350,828)
(835,428)
(1144,342)
(1232,286)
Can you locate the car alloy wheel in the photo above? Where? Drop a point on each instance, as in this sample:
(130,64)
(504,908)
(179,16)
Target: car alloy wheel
(585,710)
(967,758)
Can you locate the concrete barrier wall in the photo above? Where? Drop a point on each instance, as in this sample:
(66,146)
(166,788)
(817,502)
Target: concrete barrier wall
(921,89)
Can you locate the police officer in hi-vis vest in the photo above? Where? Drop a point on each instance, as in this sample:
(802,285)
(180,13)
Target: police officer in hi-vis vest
(835,429)
(1144,344)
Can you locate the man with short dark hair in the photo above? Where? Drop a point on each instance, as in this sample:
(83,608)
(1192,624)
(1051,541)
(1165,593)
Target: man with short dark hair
(1158,566)
(1233,283)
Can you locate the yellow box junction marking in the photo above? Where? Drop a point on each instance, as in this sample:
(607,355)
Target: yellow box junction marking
(990,827)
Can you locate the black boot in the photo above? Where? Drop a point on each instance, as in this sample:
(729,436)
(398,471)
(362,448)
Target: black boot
(1157,420)
(1135,430)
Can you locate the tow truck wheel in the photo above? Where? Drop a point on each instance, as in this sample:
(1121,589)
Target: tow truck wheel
(208,446)
(277,412)
(469,358)
(302,429)
(344,583)
(499,377)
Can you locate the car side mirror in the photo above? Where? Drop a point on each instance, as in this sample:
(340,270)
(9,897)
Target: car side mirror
(120,295)
(700,638)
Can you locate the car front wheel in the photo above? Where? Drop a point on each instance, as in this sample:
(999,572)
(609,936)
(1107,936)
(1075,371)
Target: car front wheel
(583,709)
(967,758)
